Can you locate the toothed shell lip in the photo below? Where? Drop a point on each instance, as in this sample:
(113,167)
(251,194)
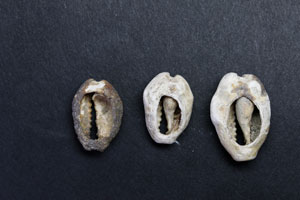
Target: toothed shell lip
(163,85)
(231,88)
(105,88)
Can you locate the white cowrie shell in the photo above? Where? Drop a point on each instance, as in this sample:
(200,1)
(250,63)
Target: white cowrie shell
(173,94)
(246,92)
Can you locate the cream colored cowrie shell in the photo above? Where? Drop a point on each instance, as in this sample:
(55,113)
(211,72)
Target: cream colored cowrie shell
(109,111)
(174,95)
(241,95)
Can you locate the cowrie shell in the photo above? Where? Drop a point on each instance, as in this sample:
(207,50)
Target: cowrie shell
(109,111)
(173,94)
(241,95)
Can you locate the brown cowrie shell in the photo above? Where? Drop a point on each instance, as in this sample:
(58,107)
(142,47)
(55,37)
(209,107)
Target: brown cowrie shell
(241,95)
(173,94)
(109,111)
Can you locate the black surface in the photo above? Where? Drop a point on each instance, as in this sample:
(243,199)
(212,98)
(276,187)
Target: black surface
(48,48)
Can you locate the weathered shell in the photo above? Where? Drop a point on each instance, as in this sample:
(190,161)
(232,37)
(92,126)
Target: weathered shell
(109,111)
(247,91)
(173,94)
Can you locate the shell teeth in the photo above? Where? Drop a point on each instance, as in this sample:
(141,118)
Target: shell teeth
(232,124)
(89,104)
(159,115)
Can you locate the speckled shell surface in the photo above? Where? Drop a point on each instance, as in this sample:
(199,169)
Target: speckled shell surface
(177,88)
(231,88)
(109,111)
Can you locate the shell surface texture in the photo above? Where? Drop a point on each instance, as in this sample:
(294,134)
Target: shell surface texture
(173,96)
(109,110)
(241,100)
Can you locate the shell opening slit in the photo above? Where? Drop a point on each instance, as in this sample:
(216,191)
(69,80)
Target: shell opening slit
(168,115)
(244,121)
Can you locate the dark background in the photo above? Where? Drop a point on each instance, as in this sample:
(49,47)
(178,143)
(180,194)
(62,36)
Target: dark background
(49,48)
